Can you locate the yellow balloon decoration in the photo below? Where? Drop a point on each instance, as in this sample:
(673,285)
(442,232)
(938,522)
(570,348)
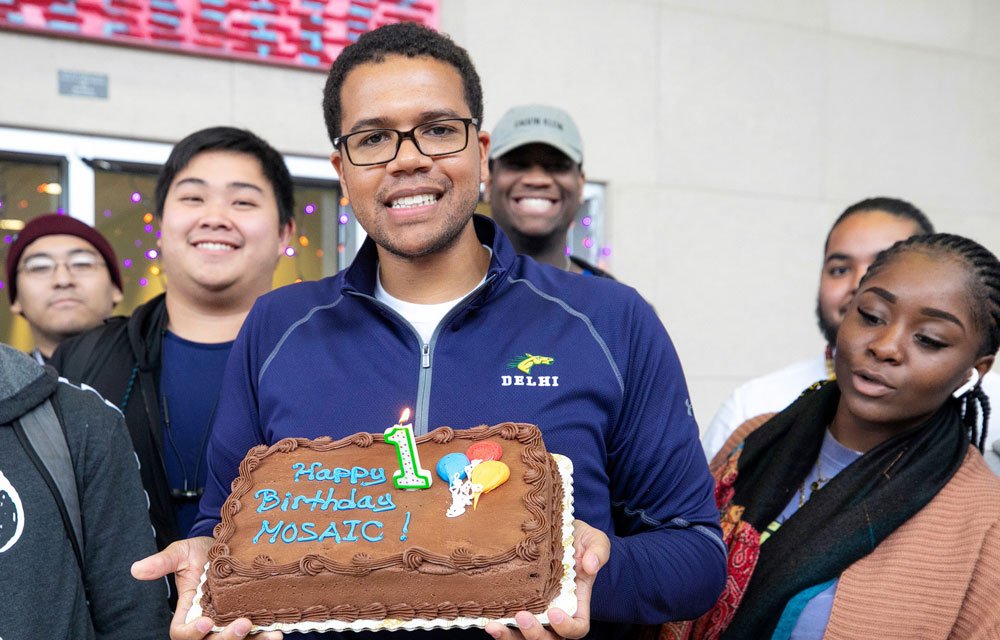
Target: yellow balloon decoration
(490,474)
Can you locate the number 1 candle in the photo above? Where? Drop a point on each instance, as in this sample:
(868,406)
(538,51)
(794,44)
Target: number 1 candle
(410,474)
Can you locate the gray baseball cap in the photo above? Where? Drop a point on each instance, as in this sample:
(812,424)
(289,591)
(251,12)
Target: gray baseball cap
(536,123)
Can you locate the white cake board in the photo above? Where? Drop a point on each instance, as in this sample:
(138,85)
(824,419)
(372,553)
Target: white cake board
(565,599)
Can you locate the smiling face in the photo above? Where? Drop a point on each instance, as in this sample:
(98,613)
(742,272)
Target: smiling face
(414,205)
(851,249)
(220,231)
(534,192)
(909,339)
(65,302)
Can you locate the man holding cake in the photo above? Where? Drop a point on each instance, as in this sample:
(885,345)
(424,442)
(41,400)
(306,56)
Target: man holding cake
(437,290)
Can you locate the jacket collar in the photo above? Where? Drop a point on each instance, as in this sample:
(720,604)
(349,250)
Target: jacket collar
(146,327)
(360,276)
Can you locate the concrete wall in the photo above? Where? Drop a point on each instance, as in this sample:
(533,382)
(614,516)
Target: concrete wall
(730,134)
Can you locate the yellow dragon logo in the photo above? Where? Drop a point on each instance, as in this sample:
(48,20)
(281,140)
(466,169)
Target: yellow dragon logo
(525,362)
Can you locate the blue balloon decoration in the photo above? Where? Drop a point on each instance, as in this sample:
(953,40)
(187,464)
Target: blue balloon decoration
(451,464)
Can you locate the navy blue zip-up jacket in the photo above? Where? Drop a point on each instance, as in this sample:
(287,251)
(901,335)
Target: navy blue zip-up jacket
(326,358)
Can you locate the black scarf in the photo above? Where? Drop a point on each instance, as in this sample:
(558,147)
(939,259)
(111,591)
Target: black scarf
(846,519)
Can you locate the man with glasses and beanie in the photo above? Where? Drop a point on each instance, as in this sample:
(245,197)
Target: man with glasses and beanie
(63,279)
(535,183)
(434,314)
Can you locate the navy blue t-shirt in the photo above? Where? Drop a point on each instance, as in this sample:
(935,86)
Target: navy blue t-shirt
(190,378)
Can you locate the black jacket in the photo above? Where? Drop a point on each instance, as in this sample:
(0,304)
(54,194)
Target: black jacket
(44,593)
(121,359)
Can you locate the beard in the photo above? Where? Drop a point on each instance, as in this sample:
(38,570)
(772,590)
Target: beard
(826,327)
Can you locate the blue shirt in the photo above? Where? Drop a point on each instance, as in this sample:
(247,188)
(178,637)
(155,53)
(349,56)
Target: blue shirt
(833,458)
(190,378)
(326,358)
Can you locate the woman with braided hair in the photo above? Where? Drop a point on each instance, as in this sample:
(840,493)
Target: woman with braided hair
(864,509)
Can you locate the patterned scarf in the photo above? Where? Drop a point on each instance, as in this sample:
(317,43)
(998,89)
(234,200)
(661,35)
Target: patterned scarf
(840,524)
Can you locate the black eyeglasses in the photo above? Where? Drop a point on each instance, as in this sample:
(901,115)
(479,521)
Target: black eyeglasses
(434,138)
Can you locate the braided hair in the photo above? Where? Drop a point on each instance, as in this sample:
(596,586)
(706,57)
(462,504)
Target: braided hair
(983,270)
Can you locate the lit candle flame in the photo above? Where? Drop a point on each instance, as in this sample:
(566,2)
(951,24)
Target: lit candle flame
(404,416)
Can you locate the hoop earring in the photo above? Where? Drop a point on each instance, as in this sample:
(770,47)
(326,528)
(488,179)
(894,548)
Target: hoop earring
(968,385)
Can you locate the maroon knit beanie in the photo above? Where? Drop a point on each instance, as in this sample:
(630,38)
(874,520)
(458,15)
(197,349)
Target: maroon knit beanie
(57,224)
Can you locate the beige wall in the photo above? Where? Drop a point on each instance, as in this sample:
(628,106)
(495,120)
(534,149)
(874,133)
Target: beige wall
(730,134)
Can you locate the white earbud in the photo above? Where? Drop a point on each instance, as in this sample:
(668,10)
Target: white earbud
(969,384)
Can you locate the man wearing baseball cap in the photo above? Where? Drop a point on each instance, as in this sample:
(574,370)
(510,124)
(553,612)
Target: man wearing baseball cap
(535,184)
(64,279)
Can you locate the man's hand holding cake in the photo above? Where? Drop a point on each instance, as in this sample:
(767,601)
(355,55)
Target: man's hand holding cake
(592,548)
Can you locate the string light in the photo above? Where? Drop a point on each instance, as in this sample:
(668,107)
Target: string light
(289,252)
(107,213)
(310,208)
(155,270)
(147,218)
(588,242)
(344,201)
(136,196)
(148,228)
(151,254)
(143,282)
(127,262)
(587,221)
(304,241)
(343,218)
(606,251)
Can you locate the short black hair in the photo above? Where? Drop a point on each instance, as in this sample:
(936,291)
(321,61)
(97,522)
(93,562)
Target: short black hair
(892,206)
(237,141)
(405,39)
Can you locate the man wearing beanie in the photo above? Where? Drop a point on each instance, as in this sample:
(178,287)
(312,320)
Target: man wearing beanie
(535,184)
(64,279)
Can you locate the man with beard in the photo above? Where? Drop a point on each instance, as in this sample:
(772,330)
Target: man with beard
(430,314)
(859,234)
(535,183)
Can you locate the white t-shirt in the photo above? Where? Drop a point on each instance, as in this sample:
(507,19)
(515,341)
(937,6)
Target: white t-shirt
(766,394)
(424,317)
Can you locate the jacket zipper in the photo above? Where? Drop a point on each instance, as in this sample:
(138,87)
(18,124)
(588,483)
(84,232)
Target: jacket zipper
(421,413)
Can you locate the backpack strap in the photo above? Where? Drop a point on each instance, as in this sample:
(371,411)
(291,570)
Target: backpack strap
(42,436)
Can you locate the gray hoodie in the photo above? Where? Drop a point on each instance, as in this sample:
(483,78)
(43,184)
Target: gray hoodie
(42,591)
